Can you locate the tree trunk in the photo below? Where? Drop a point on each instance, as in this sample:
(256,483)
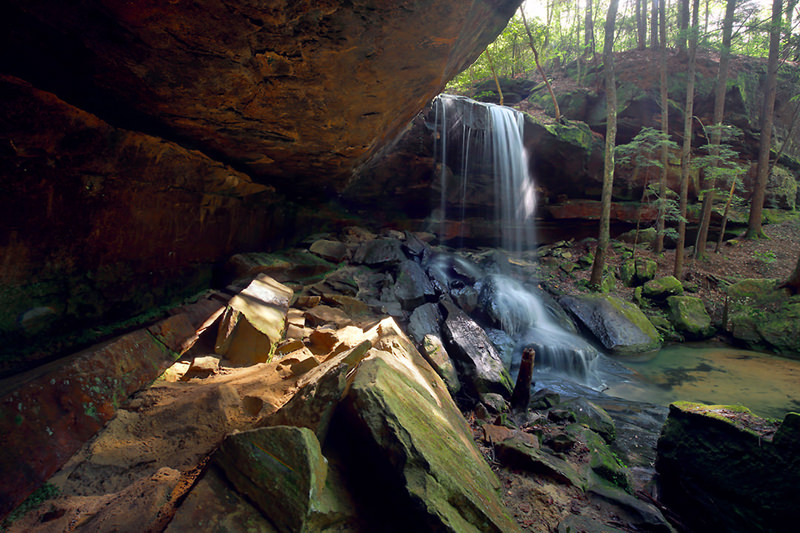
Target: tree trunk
(683,24)
(662,179)
(719,112)
(790,7)
(654,24)
(611,134)
(588,30)
(521,397)
(641,24)
(539,67)
(494,75)
(754,230)
(686,150)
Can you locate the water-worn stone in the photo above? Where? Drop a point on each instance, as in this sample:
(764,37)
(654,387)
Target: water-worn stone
(725,458)
(592,416)
(281,469)
(435,353)
(392,400)
(689,316)
(478,362)
(619,326)
(425,320)
(516,453)
(662,288)
(412,286)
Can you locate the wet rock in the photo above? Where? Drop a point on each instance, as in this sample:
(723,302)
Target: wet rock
(619,326)
(480,368)
(416,246)
(573,523)
(391,401)
(412,286)
(603,462)
(545,399)
(504,344)
(313,405)
(254,321)
(592,416)
(465,297)
(725,455)
(380,253)
(495,403)
(435,353)
(334,251)
(662,288)
(425,320)
(689,316)
(276,464)
(644,515)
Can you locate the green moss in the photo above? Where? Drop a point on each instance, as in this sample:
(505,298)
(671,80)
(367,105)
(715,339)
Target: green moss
(39,496)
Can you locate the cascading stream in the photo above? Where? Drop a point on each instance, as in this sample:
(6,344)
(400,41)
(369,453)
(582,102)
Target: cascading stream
(490,141)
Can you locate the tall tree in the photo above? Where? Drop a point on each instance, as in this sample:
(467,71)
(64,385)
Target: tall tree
(588,33)
(654,24)
(683,24)
(611,134)
(716,132)
(686,149)
(539,66)
(754,230)
(662,178)
(641,24)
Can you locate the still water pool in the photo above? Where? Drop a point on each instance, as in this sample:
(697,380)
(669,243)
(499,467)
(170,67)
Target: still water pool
(714,374)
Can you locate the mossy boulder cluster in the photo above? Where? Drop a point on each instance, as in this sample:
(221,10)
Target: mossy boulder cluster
(725,469)
(764,316)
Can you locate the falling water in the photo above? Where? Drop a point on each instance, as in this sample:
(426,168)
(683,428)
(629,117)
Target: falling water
(489,139)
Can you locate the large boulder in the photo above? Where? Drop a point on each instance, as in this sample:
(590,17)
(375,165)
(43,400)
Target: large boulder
(764,317)
(479,364)
(689,316)
(662,288)
(724,469)
(620,326)
(393,399)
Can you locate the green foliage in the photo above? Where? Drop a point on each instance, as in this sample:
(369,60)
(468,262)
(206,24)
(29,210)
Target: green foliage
(644,150)
(39,496)
(767,257)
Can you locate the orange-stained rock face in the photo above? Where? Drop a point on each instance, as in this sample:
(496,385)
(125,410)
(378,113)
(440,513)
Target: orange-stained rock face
(293,92)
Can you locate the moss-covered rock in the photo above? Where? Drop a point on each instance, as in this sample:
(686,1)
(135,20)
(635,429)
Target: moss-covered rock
(689,316)
(764,317)
(593,416)
(662,288)
(620,326)
(721,469)
(635,272)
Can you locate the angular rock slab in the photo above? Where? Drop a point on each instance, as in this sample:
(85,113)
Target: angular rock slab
(480,367)
(412,287)
(709,459)
(619,326)
(281,469)
(417,433)
(254,321)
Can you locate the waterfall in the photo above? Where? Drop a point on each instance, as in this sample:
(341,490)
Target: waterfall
(489,139)
(485,141)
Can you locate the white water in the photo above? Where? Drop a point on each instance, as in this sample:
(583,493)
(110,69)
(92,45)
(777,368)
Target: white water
(498,131)
(490,138)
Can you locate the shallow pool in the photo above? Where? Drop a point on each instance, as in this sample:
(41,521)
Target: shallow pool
(714,374)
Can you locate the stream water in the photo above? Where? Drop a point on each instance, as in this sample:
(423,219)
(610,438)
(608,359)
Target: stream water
(714,374)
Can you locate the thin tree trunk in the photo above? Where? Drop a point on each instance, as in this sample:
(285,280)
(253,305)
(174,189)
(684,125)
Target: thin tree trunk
(494,75)
(725,217)
(686,150)
(683,24)
(641,24)
(588,32)
(654,24)
(716,134)
(539,67)
(611,133)
(521,397)
(662,179)
(754,230)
